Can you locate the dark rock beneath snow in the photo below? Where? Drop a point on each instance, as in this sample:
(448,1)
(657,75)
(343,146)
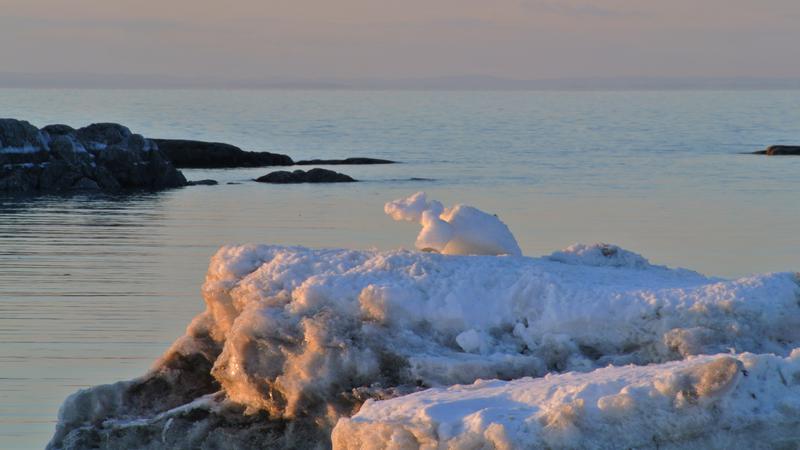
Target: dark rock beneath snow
(300,176)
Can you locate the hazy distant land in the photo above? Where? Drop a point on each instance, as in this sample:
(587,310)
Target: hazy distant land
(465,82)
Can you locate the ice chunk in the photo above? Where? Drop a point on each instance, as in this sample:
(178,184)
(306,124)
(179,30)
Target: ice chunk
(303,337)
(460,230)
(732,401)
(412,207)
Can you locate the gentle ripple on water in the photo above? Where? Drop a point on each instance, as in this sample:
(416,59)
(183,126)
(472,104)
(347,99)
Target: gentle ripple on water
(80,302)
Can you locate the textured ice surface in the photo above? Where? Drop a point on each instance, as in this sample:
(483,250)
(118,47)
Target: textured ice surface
(293,339)
(460,230)
(735,401)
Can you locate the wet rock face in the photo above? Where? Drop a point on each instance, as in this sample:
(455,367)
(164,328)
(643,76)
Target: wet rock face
(58,158)
(210,155)
(301,176)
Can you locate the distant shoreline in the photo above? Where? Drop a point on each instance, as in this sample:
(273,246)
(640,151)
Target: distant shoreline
(457,83)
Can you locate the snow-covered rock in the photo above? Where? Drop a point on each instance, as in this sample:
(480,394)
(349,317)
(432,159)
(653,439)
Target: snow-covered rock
(295,338)
(708,402)
(460,230)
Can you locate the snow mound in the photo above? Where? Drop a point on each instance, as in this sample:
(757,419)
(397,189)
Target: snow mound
(733,401)
(460,230)
(303,337)
(600,255)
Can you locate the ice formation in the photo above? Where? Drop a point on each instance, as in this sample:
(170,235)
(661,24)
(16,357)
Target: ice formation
(294,339)
(708,402)
(460,230)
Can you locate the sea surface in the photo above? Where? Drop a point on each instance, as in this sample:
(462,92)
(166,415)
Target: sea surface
(93,288)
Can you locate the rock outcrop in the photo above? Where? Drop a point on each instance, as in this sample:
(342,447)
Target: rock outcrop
(300,176)
(780,150)
(212,155)
(101,156)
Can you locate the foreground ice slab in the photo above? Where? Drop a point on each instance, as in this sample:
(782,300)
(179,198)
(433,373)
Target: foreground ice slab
(294,339)
(721,402)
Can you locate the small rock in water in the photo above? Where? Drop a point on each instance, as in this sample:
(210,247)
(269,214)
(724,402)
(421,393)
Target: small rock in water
(780,150)
(202,183)
(300,176)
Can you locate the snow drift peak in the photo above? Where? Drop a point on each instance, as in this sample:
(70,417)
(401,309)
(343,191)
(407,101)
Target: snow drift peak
(599,255)
(459,230)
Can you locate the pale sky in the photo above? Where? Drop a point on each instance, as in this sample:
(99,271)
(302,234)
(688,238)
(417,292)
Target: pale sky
(345,39)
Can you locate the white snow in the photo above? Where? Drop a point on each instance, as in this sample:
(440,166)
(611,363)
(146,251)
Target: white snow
(306,325)
(21,150)
(460,230)
(723,401)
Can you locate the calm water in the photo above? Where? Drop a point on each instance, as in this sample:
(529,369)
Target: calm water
(93,289)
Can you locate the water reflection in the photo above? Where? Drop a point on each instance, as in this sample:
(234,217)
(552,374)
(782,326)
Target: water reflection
(81,301)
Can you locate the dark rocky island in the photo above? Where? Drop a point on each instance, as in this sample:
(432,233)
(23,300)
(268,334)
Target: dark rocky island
(101,156)
(300,176)
(109,157)
(217,155)
(343,162)
(212,155)
(780,150)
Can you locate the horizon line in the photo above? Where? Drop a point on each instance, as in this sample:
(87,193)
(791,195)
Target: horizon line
(16,80)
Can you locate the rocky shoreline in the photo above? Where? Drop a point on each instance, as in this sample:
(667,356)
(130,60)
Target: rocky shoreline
(109,157)
(59,158)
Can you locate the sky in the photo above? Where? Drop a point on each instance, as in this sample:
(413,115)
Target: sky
(353,39)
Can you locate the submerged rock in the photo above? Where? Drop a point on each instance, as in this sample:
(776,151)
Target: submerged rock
(300,176)
(346,161)
(202,183)
(779,150)
(211,155)
(58,158)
